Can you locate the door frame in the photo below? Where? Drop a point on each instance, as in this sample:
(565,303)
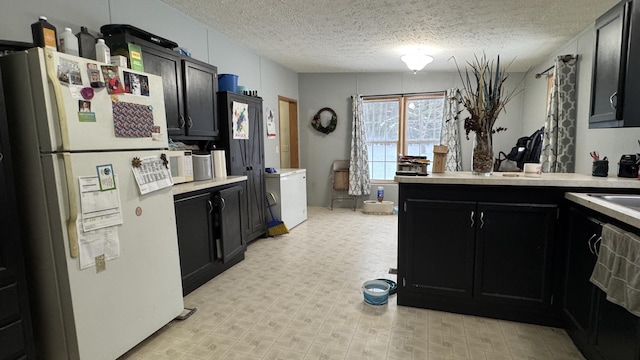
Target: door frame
(293,130)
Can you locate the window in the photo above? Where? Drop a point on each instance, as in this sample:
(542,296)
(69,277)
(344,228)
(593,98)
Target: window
(408,125)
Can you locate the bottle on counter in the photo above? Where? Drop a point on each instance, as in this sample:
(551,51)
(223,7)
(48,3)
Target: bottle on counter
(103,53)
(44,34)
(86,44)
(69,43)
(380,193)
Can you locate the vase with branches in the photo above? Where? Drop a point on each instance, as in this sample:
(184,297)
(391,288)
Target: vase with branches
(483,97)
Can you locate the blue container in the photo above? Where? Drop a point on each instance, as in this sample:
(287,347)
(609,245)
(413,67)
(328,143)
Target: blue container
(228,82)
(376,292)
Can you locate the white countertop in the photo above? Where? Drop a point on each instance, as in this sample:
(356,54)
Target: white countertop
(284,172)
(502,178)
(205,184)
(618,212)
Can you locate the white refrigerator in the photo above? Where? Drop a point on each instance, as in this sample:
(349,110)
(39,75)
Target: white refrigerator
(103,264)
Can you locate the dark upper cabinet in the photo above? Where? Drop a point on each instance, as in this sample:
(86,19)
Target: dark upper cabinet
(190,88)
(615,84)
(200,98)
(167,64)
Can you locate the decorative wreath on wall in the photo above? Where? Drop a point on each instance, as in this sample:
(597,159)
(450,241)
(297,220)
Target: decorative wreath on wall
(317,121)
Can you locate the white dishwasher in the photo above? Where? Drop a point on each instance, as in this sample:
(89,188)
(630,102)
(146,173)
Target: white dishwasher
(289,187)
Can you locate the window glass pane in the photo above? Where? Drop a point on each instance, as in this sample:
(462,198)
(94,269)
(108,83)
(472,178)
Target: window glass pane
(381,119)
(423,117)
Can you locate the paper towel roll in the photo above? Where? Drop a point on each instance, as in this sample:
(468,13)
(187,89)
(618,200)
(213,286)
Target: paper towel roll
(219,164)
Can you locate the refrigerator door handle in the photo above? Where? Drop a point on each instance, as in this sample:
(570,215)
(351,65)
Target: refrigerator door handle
(72,228)
(57,90)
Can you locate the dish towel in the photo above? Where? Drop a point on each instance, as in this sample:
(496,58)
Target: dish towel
(617,271)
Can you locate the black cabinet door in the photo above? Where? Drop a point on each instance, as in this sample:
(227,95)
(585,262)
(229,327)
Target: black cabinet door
(194,222)
(579,292)
(16,338)
(609,65)
(229,202)
(439,247)
(167,64)
(617,331)
(514,252)
(245,157)
(200,88)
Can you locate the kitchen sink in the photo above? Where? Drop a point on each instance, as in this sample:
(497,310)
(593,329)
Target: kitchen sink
(629,201)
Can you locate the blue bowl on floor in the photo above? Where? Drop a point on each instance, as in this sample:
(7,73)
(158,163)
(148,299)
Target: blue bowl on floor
(375,292)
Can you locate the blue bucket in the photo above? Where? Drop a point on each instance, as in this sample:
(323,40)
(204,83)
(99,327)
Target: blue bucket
(228,82)
(375,292)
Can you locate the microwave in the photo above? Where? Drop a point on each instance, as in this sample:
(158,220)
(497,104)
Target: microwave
(180,165)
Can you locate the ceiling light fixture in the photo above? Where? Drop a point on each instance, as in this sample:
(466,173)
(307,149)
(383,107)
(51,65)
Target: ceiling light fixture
(416,61)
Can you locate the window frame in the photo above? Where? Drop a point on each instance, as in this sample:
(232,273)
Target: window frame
(403,100)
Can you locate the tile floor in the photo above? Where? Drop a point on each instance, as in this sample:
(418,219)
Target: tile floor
(298,296)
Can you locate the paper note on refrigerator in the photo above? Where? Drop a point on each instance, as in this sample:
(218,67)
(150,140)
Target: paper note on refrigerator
(100,209)
(151,174)
(98,242)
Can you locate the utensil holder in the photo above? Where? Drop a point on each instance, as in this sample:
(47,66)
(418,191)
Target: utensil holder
(600,168)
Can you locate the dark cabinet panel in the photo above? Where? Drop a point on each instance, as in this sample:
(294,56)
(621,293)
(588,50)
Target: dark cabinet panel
(210,232)
(513,252)
(200,88)
(246,157)
(167,65)
(231,234)
(190,88)
(601,329)
(16,335)
(607,92)
(195,240)
(440,258)
(458,252)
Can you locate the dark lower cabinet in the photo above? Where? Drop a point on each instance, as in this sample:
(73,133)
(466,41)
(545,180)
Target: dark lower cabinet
(460,253)
(210,236)
(514,245)
(601,329)
(440,258)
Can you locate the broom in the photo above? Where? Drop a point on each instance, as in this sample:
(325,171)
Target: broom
(275,227)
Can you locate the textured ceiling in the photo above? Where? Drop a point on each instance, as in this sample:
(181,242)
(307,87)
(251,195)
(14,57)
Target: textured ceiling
(371,35)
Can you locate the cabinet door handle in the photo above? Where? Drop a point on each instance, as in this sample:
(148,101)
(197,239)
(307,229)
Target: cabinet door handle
(473,221)
(224,204)
(181,121)
(189,122)
(1,157)
(481,219)
(210,206)
(589,243)
(596,249)
(614,95)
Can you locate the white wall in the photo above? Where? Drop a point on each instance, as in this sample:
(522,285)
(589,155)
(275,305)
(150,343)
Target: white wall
(612,143)
(334,90)
(255,72)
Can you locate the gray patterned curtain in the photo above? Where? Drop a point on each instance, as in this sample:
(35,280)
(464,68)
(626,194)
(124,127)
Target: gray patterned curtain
(559,143)
(359,181)
(450,136)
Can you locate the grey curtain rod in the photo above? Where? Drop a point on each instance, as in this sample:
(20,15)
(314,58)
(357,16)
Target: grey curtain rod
(407,94)
(565,58)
